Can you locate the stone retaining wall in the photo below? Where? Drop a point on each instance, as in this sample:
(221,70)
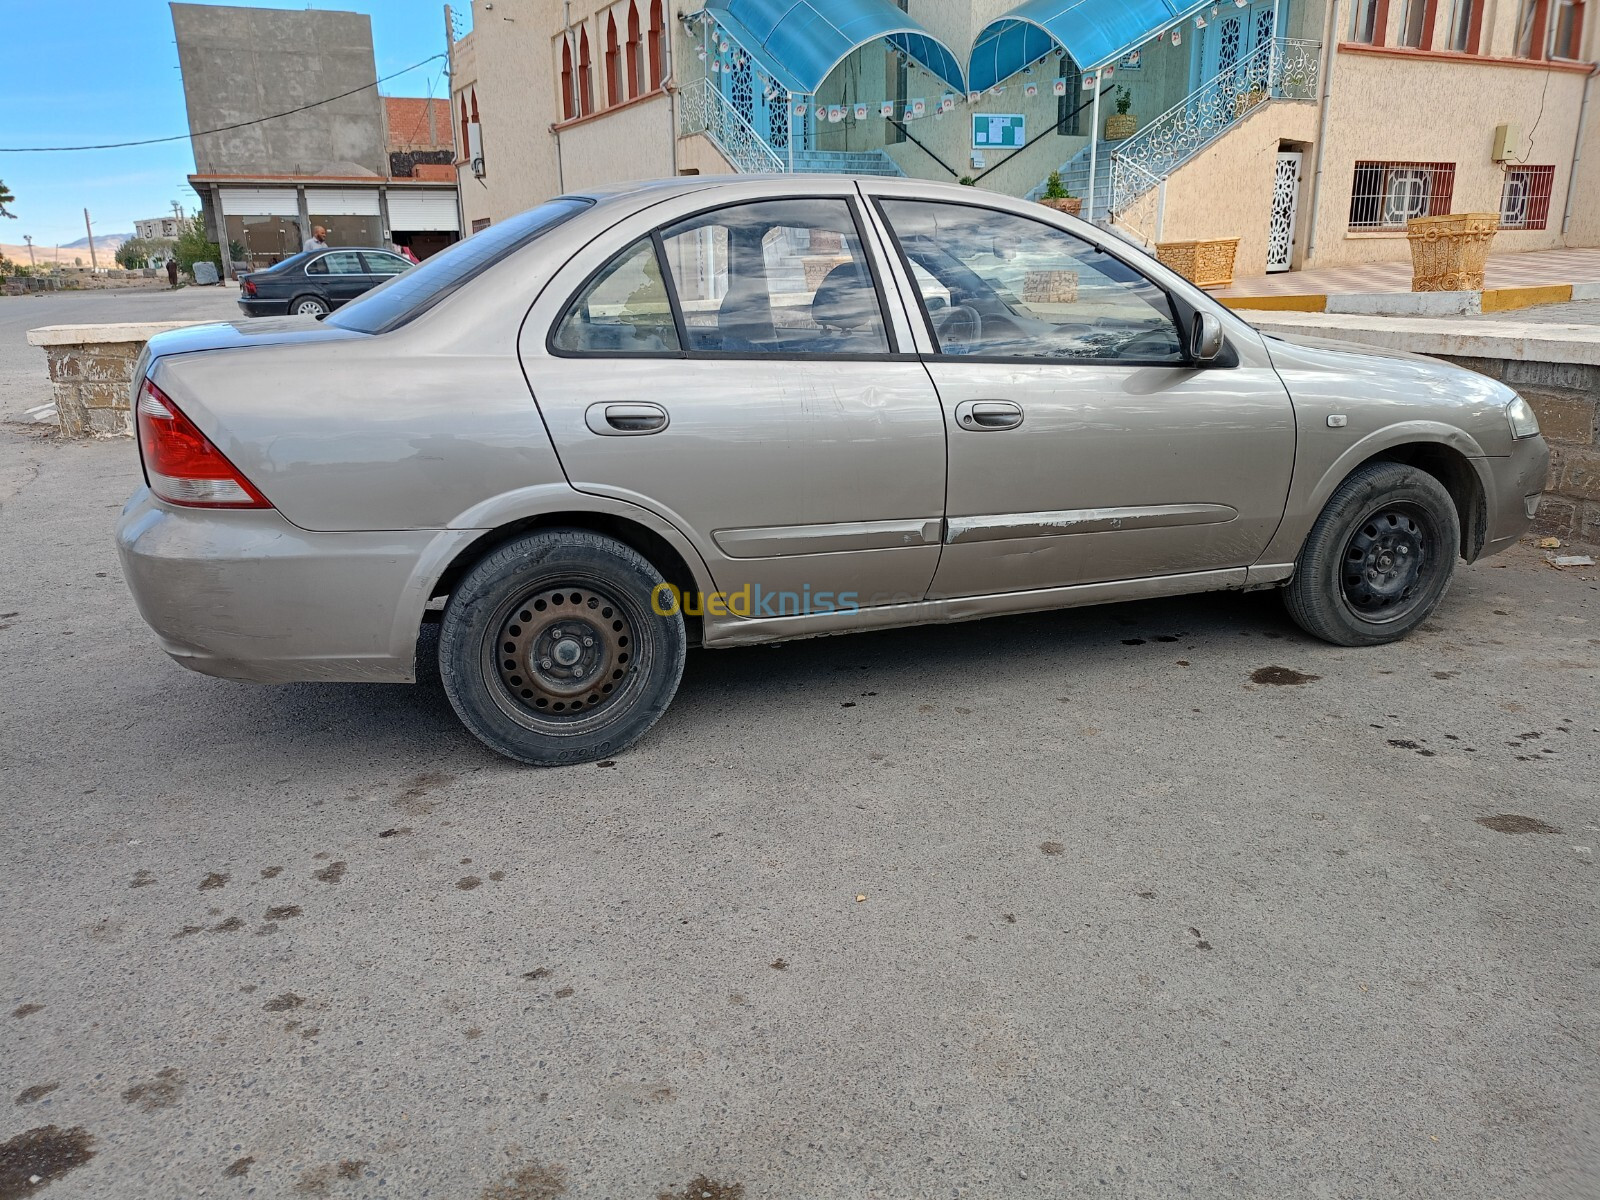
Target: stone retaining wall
(91,369)
(1566,397)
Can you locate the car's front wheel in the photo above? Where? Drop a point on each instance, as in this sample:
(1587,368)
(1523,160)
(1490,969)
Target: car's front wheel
(309,306)
(552,651)
(1379,558)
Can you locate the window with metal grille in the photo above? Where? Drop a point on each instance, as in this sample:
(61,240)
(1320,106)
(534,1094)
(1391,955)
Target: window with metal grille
(1385,195)
(1525,197)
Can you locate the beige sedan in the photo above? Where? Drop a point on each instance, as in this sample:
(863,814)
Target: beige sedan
(729,411)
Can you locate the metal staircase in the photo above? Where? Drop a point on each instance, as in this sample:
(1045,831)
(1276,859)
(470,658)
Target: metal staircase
(1280,69)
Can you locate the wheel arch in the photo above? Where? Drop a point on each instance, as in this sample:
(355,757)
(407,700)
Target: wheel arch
(1443,451)
(1460,478)
(658,549)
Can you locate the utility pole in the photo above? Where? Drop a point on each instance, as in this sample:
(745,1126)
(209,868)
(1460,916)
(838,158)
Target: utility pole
(28,237)
(94,263)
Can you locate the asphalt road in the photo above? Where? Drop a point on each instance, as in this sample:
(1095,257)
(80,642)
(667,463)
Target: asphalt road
(1134,925)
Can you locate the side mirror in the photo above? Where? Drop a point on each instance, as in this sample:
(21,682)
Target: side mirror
(1205,342)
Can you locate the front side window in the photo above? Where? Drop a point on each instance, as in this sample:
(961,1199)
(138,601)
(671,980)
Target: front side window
(786,277)
(997,284)
(624,310)
(384,264)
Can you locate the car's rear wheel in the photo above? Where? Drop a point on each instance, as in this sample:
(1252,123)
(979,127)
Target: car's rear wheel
(552,652)
(309,306)
(1379,558)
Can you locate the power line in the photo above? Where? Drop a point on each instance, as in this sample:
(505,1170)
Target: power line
(221,128)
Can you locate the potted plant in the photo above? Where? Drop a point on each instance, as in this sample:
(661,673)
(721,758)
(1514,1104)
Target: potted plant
(1122,123)
(1057,197)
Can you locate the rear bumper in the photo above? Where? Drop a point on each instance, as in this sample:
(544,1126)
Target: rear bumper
(257,307)
(246,595)
(1513,495)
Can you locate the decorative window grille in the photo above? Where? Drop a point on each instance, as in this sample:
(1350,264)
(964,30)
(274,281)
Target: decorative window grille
(742,88)
(1525,197)
(1385,195)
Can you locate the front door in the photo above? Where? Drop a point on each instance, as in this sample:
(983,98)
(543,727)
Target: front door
(1230,38)
(1285,202)
(734,371)
(1084,445)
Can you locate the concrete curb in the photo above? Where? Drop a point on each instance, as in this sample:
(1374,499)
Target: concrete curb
(1515,340)
(1419,304)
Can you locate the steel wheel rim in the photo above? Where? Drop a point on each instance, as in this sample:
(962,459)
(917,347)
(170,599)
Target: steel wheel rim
(1388,563)
(565,656)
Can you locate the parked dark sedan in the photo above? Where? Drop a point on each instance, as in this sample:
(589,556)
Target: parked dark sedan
(315,282)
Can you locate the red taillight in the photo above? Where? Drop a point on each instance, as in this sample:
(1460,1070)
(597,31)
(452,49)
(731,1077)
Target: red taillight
(181,463)
(248,286)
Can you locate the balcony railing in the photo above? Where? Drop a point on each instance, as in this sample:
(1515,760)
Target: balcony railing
(1279,69)
(702,108)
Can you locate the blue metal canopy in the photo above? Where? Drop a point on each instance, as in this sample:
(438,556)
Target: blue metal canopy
(1092,32)
(803,40)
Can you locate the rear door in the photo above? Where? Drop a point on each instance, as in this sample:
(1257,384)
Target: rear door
(1084,444)
(733,368)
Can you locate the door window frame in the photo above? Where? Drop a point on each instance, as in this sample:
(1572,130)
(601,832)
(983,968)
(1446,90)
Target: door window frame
(894,353)
(1184,313)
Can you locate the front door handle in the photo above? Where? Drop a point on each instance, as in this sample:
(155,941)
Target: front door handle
(621,420)
(986,415)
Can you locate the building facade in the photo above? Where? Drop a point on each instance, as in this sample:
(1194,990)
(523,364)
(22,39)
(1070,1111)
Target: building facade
(272,162)
(157,229)
(1311,130)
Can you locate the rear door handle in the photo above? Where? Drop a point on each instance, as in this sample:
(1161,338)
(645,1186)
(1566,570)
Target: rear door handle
(986,415)
(621,420)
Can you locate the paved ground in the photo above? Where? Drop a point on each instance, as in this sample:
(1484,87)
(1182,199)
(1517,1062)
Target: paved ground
(1575,265)
(22,378)
(1574,312)
(1135,925)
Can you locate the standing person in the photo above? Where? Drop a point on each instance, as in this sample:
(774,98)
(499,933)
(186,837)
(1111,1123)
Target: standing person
(318,239)
(172,272)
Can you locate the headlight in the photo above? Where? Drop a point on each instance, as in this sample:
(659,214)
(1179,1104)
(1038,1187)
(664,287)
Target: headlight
(1524,421)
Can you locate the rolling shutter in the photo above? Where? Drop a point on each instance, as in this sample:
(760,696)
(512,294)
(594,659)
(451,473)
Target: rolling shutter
(260,202)
(342,202)
(423,212)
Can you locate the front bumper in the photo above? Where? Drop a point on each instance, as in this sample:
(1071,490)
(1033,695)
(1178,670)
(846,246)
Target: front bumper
(244,594)
(1515,482)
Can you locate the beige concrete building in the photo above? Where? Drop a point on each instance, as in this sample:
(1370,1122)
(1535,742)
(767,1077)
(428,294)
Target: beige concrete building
(1311,130)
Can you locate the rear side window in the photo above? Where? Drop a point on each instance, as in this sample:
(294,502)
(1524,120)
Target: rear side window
(407,296)
(624,311)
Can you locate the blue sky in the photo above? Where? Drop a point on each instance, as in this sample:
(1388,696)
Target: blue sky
(80,71)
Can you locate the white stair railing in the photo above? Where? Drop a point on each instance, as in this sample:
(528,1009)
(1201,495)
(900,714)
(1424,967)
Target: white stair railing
(702,108)
(1279,69)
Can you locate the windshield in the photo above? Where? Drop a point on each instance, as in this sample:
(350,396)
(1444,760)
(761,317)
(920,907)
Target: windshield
(409,295)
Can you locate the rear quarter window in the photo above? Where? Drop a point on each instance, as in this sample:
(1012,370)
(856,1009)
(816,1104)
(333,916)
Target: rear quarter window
(407,296)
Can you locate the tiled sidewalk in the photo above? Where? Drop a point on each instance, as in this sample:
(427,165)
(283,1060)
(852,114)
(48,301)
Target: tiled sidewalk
(1505,270)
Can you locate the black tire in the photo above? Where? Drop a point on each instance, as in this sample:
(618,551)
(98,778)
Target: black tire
(551,651)
(1379,558)
(308,306)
